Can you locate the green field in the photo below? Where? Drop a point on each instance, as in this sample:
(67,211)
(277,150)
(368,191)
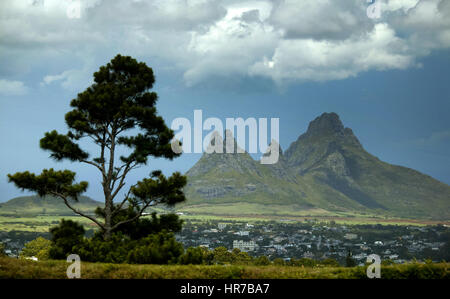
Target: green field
(18,268)
(38,223)
(42,223)
(258,212)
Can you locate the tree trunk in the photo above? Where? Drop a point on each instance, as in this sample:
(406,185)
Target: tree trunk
(107,188)
(108,224)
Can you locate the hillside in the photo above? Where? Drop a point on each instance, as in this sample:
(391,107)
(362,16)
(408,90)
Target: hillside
(35,205)
(326,171)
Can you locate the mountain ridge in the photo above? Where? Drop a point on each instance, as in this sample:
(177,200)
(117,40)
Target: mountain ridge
(49,205)
(325,168)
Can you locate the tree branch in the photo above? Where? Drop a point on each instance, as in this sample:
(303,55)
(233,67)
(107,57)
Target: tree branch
(139,214)
(94,164)
(77,211)
(119,207)
(128,168)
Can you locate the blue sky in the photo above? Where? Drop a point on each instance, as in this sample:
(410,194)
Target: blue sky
(386,78)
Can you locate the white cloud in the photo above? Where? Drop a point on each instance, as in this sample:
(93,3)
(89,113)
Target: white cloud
(74,79)
(12,88)
(285,40)
(320,60)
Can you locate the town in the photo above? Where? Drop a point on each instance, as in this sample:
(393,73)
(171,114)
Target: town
(313,240)
(295,240)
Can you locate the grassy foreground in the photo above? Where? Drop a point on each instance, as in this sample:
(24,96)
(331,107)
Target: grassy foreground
(18,268)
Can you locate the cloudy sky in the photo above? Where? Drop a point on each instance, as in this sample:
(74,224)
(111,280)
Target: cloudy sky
(387,77)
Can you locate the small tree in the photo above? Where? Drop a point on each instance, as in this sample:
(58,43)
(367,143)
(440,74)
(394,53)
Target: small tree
(118,102)
(349,261)
(65,236)
(39,248)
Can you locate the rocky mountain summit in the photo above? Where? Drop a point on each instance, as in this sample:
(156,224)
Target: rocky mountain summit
(326,168)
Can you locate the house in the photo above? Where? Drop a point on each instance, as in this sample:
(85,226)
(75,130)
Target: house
(242,233)
(222,226)
(244,246)
(350,236)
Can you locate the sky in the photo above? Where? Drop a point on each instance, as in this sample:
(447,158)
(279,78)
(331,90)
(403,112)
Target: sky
(386,75)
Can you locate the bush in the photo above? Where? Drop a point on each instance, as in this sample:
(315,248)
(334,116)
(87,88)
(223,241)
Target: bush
(241,257)
(304,262)
(143,226)
(279,262)
(160,248)
(155,248)
(95,249)
(2,249)
(262,261)
(330,262)
(64,237)
(193,256)
(221,256)
(40,248)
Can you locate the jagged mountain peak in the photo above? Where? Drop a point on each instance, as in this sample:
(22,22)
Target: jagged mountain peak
(327,123)
(224,155)
(273,145)
(227,145)
(325,168)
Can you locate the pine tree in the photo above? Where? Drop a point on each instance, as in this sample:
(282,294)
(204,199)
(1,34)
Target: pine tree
(118,102)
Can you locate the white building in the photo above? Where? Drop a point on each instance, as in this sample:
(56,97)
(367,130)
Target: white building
(244,246)
(242,233)
(350,236)
(221,226)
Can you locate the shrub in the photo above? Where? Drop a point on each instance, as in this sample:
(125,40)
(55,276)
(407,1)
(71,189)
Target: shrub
(279,262)
(40,248)
(160,248)
(193,256)
(64,237)
(241,257)
(262,261)
(95,249)
(221,256)
(330,262)
(305,262)
(142,227)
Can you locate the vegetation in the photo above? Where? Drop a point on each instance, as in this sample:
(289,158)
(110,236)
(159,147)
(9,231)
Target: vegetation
(17,268)
(118,102)
(39,248)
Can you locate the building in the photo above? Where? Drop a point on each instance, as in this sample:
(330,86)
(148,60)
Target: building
(244,246)
(349,236)
(221,226)
(242,233)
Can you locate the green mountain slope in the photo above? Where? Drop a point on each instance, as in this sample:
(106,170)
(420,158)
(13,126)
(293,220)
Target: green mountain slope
(326,169)
(34,205)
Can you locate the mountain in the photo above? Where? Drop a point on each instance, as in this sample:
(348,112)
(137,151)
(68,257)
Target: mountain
(33,205)
(326,171)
